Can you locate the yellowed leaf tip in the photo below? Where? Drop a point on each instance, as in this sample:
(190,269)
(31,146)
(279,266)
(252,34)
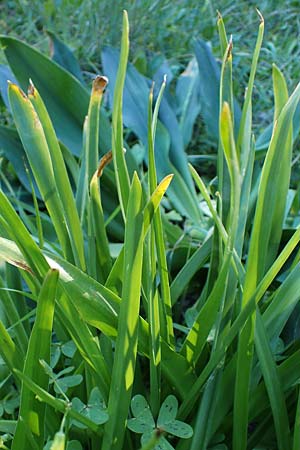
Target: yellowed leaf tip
(219,15)
(14,87)
(152,88)
(260,15)
(100,83)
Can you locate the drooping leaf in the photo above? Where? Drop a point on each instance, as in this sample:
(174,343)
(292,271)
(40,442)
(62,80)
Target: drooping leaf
(65,97)
(64,56)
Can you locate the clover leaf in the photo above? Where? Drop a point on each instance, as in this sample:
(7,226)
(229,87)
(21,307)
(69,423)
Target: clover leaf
(95,409)
(143,422)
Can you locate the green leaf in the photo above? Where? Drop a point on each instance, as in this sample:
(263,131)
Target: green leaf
(32,411)
(187,94)
(94,410)
(168,411)
(35,143)
(8,426)
(58,404)
(62,181)
(13,150)
(273,385)
(65,97)
(63,384)
(169,149)
(100,309)
(179,429)
(140,409)
(127,337)
(121,172)
(64,56)
(143,420)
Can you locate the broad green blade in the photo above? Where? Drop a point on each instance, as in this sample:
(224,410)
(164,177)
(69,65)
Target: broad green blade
(65,98)
(32,411)
(127,338)
(91,155)
(61,177)
(64,56)
(35,143)
(258,255)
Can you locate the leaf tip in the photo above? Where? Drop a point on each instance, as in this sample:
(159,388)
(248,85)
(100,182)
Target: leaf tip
(31,89)
(16,89)
(100,83)
(260,16)
(229,49)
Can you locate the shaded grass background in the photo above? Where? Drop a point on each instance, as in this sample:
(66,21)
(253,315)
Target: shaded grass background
(167,28)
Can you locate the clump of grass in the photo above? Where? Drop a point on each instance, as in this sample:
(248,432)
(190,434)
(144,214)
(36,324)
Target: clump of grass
(109,316)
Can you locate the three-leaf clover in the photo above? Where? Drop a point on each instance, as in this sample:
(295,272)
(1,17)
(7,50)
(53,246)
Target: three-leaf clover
(144,423)
(94,410)
(62,382)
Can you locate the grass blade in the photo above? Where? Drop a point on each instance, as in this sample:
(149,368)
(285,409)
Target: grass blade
(32,411)
(126,342)
(273,385)
(258,260)
(61,178)
(121,173)
(38,154)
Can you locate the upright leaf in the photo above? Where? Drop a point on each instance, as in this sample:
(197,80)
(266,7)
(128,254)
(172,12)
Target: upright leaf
(32,411)
(127,338)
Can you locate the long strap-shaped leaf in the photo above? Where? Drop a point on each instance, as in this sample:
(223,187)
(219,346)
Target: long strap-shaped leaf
(32,411)
(273,385)
(166,304)
(65,97)
(33,138)
(258,258)
(61,177)
(127,338)
(121,173)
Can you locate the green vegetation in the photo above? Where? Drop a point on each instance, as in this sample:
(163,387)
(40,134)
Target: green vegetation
(144,305)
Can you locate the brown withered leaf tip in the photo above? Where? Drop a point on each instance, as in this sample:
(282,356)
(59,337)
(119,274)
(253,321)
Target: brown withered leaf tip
(22,266)
(106,159)
(230,46)
(100,83)
(31,88)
